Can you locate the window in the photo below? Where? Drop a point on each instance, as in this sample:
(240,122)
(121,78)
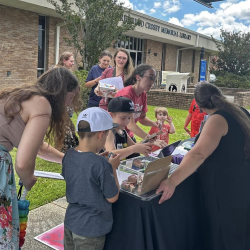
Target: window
(134,46)
(41,46)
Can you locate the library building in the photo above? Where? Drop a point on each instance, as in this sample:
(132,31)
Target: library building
(32,39)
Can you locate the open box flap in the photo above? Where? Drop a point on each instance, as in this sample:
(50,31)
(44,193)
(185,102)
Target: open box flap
(153,180)
(155,173)
(158,164)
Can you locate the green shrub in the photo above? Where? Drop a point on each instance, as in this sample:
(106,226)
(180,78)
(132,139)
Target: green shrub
(230,80)
(82,75)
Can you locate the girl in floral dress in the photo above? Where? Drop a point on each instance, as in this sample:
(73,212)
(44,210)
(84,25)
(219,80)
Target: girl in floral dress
(28,114)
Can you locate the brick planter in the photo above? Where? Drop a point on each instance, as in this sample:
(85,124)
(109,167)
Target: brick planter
(164,98)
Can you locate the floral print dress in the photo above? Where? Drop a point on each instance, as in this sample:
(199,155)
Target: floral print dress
(9,216)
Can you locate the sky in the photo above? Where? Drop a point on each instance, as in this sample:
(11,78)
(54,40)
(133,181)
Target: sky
(231,15)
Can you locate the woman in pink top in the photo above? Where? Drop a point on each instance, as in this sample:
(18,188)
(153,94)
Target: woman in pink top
(123,67)
(135,89)
(29,113)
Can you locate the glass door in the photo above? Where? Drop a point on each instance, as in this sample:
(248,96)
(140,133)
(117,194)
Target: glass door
(134,57)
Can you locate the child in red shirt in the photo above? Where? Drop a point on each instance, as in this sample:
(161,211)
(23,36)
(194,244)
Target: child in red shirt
(161,114)
(196,116)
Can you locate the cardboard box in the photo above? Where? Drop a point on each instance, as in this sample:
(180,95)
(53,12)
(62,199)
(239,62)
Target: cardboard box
(152,176)
(155,173)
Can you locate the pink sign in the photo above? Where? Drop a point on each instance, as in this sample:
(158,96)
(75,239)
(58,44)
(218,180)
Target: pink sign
(53,238)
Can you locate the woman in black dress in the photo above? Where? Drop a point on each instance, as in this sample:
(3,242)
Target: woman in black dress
(222,154)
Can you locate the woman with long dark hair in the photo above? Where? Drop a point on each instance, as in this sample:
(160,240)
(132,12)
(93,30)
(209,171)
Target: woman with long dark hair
(29,113)
(135,89)
(222,157)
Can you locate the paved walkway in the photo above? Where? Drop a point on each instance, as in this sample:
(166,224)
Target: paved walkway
(41,220)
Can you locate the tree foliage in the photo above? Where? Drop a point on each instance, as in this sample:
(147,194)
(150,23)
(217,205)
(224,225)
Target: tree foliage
(233,53)
(94,26)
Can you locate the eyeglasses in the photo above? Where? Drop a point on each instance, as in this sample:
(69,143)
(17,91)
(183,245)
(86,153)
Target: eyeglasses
(151,78)
(122,58)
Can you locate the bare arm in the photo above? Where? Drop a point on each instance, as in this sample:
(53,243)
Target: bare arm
(37,112)
(115,161)
(92,83)
(136,129)
(171,124)
(187,121)
(124,152)
(144,120)
(49,153)
(210,137)
(172,128)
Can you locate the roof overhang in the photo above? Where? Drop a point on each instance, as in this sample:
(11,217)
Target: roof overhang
(152,28)
(207,3)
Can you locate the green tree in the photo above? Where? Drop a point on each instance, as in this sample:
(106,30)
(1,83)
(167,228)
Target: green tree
(233,53)
(94,26)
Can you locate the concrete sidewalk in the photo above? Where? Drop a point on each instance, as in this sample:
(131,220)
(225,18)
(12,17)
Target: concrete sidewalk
(41,220)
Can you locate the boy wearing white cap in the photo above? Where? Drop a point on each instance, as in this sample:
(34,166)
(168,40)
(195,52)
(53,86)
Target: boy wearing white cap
(91,183)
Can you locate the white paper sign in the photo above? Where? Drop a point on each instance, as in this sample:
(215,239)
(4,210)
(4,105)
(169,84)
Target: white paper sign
(116,81)
(122,176)
(50,175)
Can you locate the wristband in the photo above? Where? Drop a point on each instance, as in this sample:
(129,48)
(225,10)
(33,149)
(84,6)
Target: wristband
(110,154)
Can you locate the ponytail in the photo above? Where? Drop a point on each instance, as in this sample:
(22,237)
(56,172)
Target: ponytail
(140,71)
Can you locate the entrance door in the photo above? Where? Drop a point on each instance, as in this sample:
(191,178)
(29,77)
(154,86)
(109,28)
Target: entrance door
(133,56)
(136,57)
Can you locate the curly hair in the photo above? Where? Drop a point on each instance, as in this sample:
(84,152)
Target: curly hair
(54,86)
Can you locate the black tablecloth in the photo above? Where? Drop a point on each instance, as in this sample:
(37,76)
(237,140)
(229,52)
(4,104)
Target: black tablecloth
(173,225)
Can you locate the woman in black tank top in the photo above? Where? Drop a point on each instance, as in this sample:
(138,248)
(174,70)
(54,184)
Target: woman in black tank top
(222,156)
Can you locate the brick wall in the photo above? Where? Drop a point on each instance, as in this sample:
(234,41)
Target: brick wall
(232,91)
(186,61)
(170,57)
(51,23)
(151,59)
(242,99)
(18,46)
(225,91)
(169,99)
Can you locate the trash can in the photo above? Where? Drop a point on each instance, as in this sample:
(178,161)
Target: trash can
(177,82)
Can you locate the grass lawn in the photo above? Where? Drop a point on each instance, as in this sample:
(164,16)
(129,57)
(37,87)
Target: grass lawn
(248,107)
(47,190)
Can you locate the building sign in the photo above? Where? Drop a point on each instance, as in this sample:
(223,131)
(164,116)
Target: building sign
(203,70)
(158,28)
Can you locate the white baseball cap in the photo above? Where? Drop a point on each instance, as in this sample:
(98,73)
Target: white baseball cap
(98,119)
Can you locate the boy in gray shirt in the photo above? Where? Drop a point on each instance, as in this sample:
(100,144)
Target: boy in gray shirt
(91,183)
